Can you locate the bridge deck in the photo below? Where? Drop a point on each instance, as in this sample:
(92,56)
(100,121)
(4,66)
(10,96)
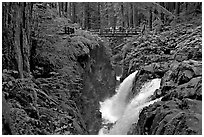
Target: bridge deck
(116,33)
(107,32)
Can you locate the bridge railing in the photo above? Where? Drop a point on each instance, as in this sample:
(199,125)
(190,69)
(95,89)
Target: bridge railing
(130,31)
(107,31)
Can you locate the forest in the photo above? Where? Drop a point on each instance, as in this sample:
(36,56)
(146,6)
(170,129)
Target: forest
(66,66)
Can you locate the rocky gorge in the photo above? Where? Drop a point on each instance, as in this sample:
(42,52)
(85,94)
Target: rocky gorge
(175,56)
(73,74)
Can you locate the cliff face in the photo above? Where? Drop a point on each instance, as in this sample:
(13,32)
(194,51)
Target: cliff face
(99,83)
(175,56)
(71,74)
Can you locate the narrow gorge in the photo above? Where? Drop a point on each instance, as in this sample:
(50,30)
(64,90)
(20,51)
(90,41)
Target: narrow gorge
(61,75)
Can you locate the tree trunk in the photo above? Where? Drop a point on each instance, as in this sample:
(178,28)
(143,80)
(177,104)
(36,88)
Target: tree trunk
(113,17)
(62,8)
(5,46)
(73,12)
(70,10)
(11,26)
(66,9)
(58,8)
(87,16)
(17,42)
(122,13)
(108,16)
(26,32)
(102,19)
(131,15)
(127,16)
(150,19)
(135,16)
(5,13)
(26,52)
(99,15)
(84,16)
(177,8)
(186,7)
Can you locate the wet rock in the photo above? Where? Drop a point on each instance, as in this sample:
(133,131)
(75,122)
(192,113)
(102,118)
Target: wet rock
(173,117)
(192,89)
(180,73)
(179,64)
(99,84)
(157,68)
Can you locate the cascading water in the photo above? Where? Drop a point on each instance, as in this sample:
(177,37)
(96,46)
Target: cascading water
(121,113)
(113,108)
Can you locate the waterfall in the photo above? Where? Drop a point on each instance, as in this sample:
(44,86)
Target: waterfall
(122,114)
(113,108)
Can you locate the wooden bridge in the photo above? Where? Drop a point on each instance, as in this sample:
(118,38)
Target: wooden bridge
(117,32)
(108,32)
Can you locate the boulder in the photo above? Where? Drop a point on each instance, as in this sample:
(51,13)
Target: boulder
(181,72)
(192,89)
(173,117)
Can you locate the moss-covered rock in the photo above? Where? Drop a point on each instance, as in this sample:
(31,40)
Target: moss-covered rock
(175,57)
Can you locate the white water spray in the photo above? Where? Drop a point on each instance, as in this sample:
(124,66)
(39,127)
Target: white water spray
(118,78)
(116,109)
(113,108)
